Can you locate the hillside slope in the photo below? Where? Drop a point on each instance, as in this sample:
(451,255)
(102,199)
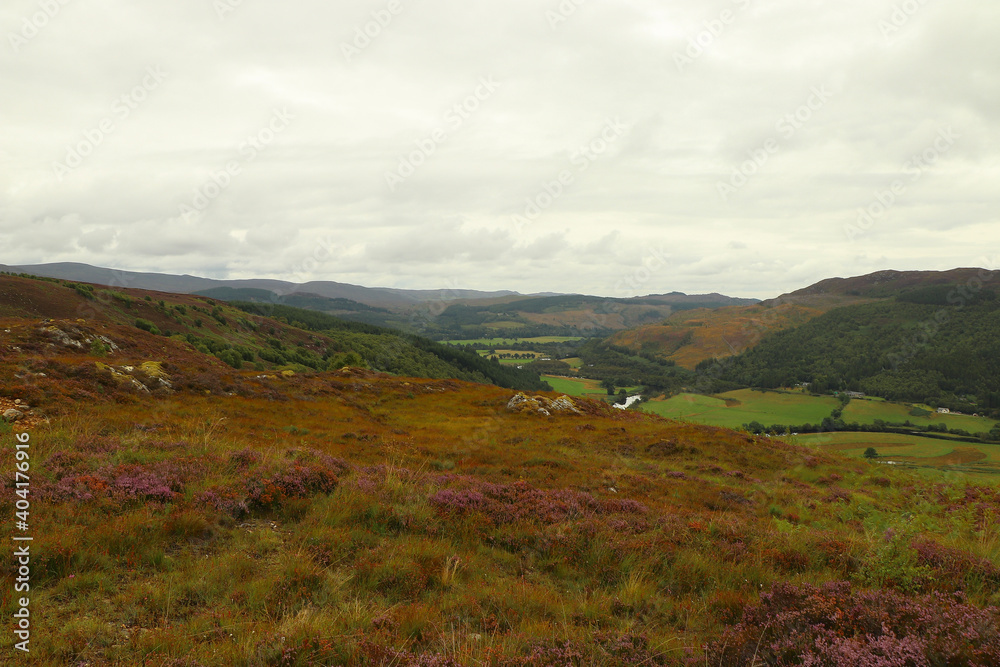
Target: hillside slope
(937,344)
(184,512)
(442,314)
(691,337)
(272,336)
(185,284)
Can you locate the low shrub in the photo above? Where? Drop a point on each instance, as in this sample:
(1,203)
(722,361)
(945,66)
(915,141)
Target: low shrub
(832,625)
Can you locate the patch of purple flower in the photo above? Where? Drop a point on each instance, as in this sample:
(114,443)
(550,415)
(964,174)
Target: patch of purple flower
(65,462)
(953,565)
(139,483)
(832,625)
(337,466)
(224,501)
(97,445)
(244,458)
(559,655)
(385,656)
(509,503)
(160,481)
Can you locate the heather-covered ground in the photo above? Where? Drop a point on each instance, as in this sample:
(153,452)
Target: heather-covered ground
(226,517)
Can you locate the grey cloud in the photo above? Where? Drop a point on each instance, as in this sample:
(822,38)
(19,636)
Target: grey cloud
(324,177)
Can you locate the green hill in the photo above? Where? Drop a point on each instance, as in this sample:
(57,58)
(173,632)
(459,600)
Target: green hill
(262,336)
(935,344)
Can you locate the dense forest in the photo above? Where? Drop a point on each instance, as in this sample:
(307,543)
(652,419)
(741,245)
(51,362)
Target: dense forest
(625,368)
(939,345)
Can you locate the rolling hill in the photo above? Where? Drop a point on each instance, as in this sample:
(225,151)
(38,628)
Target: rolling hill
(692,337)
(192,507)
(301,340)
(446,314)
(162,282)
(186,512)
(931,342)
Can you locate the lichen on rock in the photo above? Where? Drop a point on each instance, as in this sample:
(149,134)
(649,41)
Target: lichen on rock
(522,403)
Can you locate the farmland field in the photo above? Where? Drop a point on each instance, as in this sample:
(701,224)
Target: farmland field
(581,386)
(574,386)
(866,411)
(735,408)
(512,340)
(909,450)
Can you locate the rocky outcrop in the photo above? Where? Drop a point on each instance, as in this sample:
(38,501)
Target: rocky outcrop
(522,403)
(151,375)
(71,336)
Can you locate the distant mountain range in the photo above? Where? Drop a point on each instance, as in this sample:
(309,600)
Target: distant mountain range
(441,313)
(185,284)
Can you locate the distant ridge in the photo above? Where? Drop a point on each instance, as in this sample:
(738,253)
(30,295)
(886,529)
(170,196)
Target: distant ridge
(882,284)
(186,284)
(692,336)
(381,297)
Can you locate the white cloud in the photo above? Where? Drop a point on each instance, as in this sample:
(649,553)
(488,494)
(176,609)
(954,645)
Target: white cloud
(656,186)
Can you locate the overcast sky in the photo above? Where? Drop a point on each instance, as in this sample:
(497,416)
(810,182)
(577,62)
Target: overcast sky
(617,148)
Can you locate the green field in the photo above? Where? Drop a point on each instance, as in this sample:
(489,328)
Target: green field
(909,450)
(512,340)
(573,386)
(866,411)
(735,408)
(581,386)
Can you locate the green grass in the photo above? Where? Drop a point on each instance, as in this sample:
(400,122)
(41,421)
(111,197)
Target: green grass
(865,411)
(909,450)
(582,386)
(574,387)
(745,406)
